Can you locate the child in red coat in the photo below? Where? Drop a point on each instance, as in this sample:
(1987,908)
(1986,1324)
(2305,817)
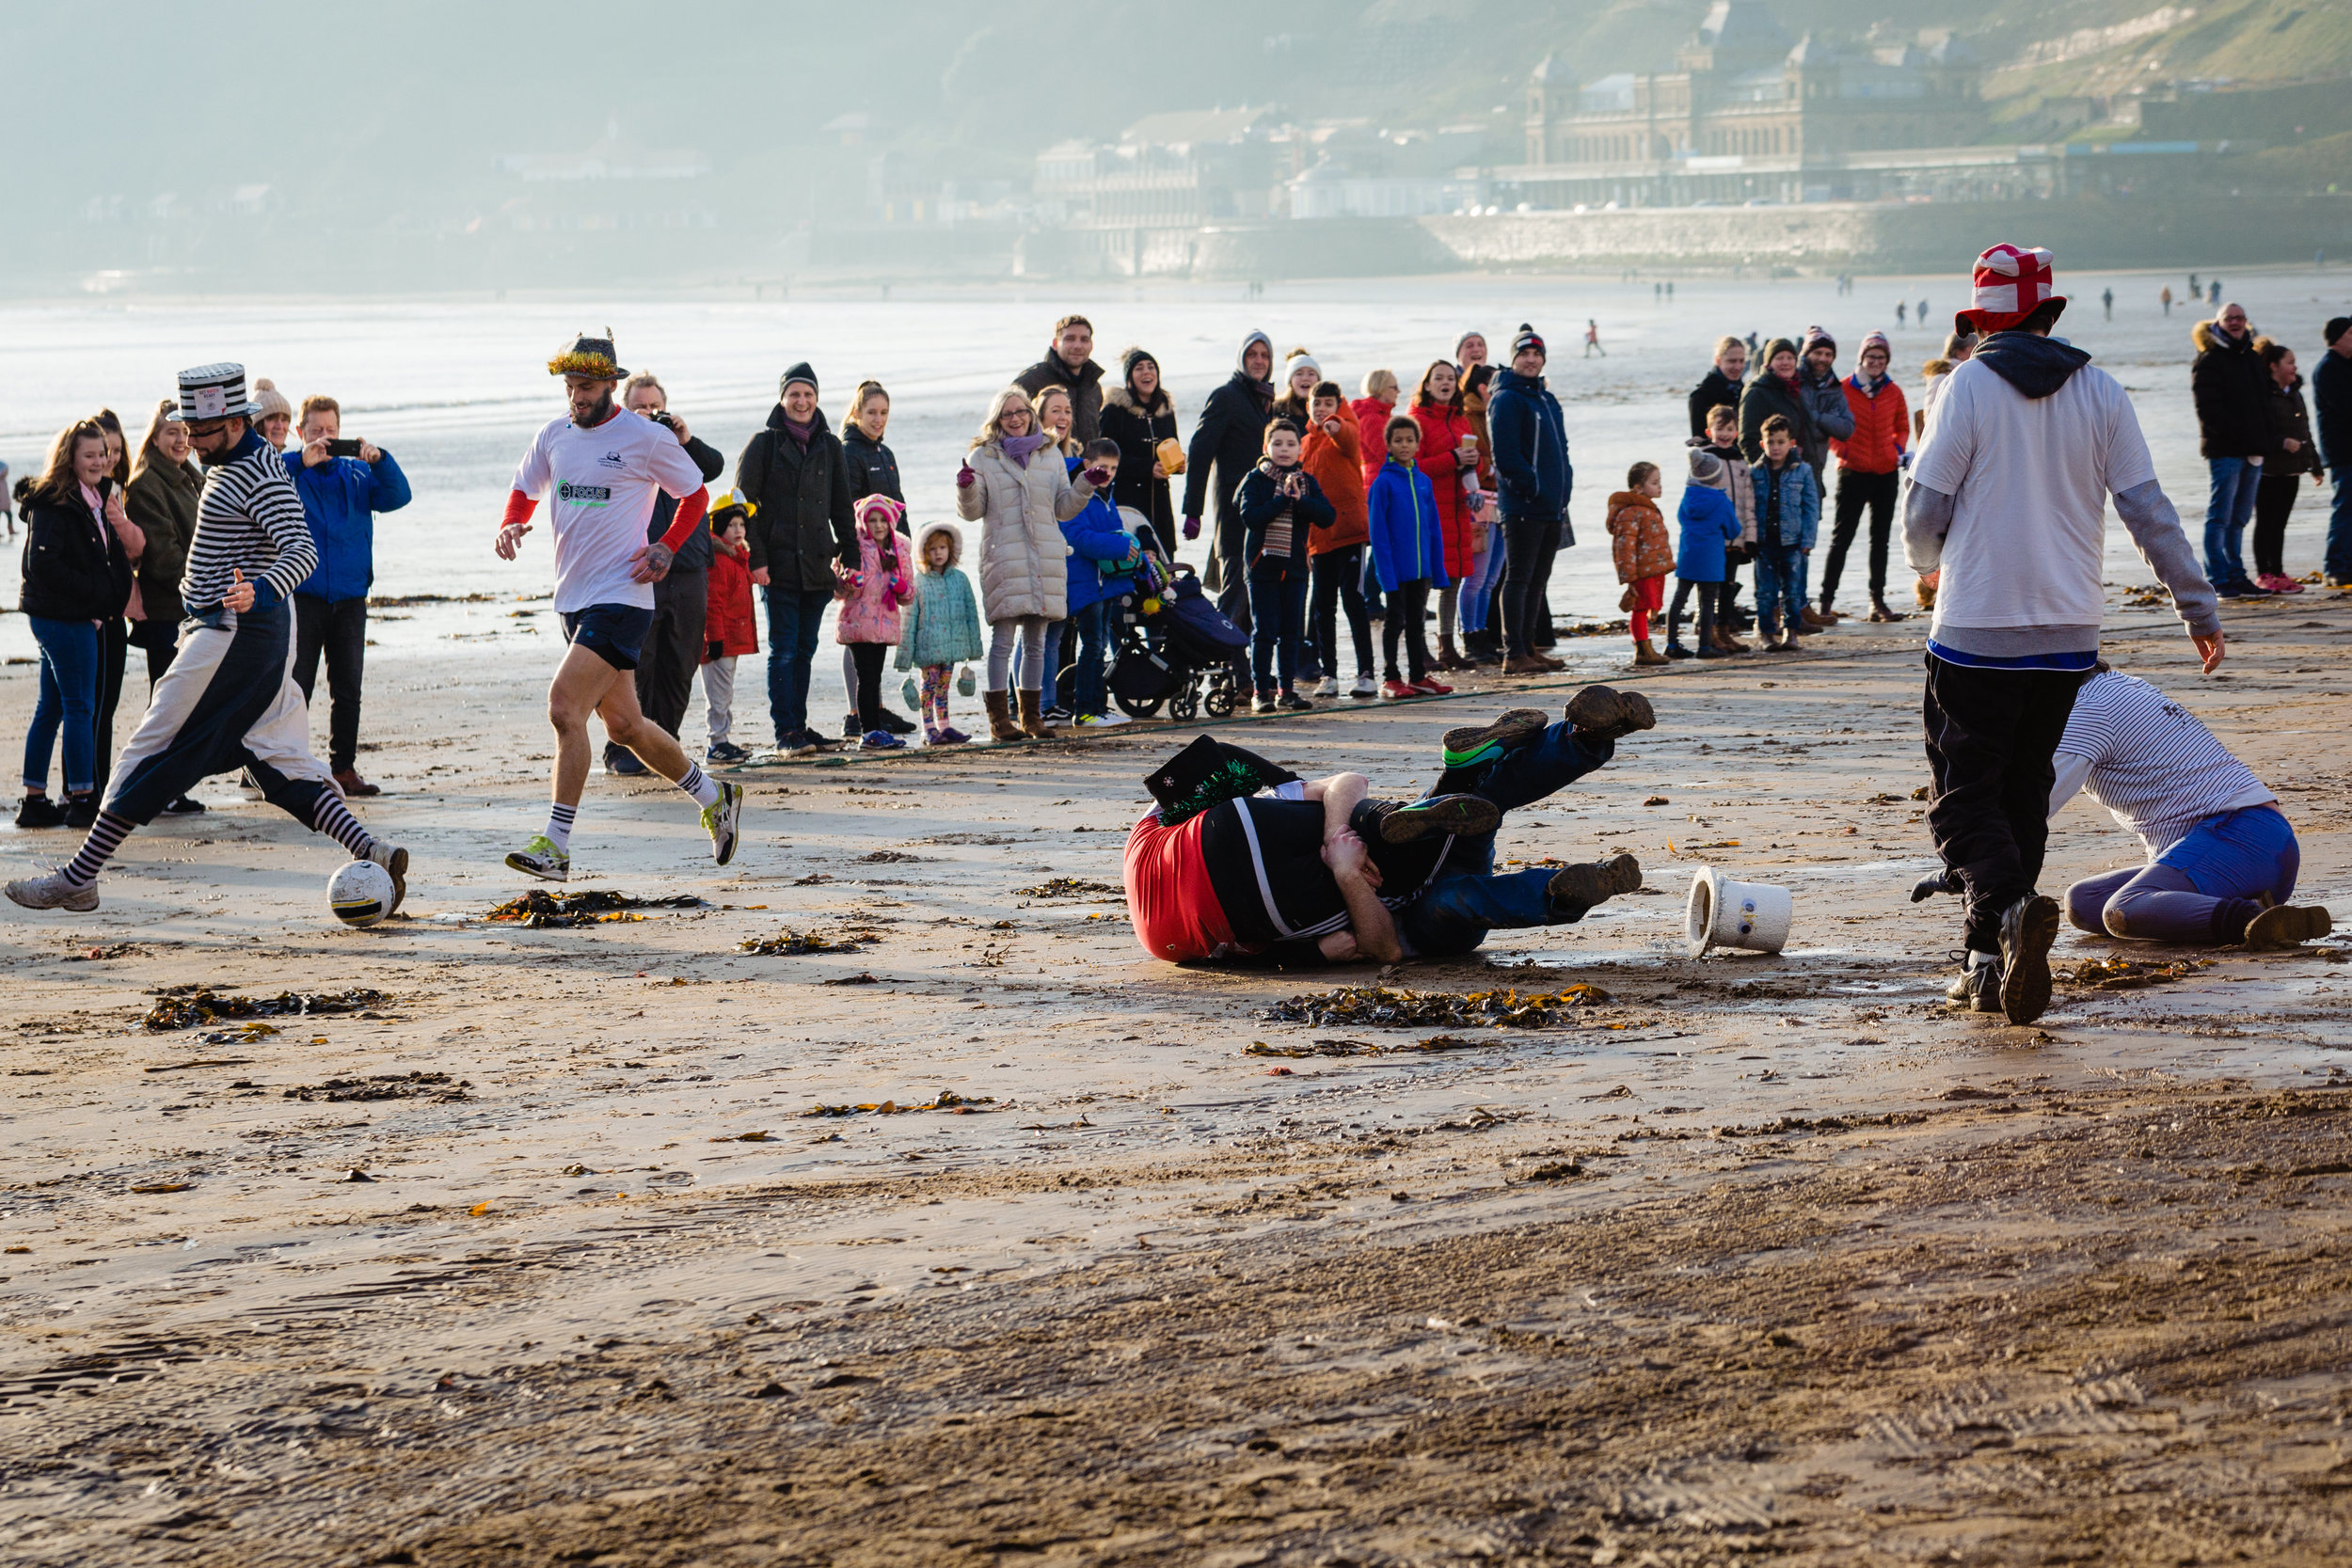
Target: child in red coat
(728,624)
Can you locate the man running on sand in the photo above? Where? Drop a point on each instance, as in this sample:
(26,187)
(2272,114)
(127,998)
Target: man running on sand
(1242,859)
(603,472)
(229,700)
(2008,501)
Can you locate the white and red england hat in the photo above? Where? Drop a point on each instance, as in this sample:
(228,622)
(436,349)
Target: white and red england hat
(2008,285)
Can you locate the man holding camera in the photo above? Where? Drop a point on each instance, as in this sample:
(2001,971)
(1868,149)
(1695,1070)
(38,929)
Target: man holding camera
(673,648)
(343,485)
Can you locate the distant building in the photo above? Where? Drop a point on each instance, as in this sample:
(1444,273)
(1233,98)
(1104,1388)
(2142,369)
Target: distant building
(1358,173)
(1132,206)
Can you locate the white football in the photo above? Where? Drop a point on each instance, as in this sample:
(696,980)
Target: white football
(360,893)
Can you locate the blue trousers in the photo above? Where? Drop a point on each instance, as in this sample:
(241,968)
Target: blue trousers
(2201,889)
(1779,586)
(1088,692)
(1467,898)
(794,615)
(1277,616)
(2338,565)
(69,697)
(2229,506)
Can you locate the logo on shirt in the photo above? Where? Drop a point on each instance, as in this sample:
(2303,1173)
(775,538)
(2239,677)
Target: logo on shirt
(612,460)
(570,492)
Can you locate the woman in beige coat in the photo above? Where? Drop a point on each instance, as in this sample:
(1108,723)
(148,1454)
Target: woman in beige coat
(1014,484)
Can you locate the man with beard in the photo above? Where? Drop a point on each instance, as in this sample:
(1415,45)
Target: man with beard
(1068,365)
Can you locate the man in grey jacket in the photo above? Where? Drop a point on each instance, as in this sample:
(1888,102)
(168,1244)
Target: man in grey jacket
(2008,500)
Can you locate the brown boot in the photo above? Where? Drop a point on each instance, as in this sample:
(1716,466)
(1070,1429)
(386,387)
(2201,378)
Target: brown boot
(1645,653)
(1447,658)
(1879,612)
(1527,664)
(1033,722)
(1000,725)
(1817,619)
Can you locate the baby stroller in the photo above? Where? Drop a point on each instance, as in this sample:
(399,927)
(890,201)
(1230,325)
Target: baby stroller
(1174,646)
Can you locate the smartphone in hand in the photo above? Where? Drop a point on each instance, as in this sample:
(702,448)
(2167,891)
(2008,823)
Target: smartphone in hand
(343,449)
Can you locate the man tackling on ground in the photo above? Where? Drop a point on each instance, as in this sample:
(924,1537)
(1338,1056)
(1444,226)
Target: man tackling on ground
(229,700)
(602,473)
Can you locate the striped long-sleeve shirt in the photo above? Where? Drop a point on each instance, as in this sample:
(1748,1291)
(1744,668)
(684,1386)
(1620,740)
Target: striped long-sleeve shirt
(249,519)
(2148,761)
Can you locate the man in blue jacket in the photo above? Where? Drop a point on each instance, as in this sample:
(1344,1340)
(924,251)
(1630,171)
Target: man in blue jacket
(1532,472)
(341,497)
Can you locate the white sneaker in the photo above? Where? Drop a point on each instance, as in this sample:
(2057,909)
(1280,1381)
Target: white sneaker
(721,820)
(51,891)
(1366,687)
(1103,721)
(393,859)
(542,859)
(1330,686)
(250,787)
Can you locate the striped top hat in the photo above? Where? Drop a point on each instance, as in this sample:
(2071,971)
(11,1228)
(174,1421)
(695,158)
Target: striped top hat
(210,393)
(586,355)
(2009,284)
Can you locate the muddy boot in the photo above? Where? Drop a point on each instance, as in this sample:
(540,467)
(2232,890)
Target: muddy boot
(1879,612)
(1645,653)
(1580,887)
(1527,664)
(1033,722)
(1447,658)
(2288,925)
(1000,725)
(1607,713)
(2029,927)
(1725,642)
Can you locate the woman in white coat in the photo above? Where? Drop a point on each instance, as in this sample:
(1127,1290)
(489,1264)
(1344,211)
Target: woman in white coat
(1014,484)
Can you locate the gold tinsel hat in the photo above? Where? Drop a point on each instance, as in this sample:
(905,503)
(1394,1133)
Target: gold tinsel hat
(592,357)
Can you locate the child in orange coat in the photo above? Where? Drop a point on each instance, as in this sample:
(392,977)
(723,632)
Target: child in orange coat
(1643,553)
(1333,453)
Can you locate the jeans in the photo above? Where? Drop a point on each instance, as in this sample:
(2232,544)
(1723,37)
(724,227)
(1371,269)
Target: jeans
(1466,899)
(1992,736)
(69,696)
(2338,565)
(1087,692)
(2203,889)
(1336,577)
(2229,503)
(1779,586)
(1855,491)
(337,628)
(1478,588)
(794,616)
(1529,545)
(1277,614)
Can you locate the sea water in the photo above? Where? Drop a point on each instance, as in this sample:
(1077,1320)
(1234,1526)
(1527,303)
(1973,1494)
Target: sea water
(455,387)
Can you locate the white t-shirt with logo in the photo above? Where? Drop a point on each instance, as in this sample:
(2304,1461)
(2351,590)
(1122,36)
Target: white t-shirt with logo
(599,488)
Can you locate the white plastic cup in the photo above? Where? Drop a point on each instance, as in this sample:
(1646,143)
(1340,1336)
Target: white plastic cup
(1725,913)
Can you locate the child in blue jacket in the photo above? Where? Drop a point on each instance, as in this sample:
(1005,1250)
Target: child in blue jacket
(1787,511)
(1710,524)
(1408,558)
(1101,554)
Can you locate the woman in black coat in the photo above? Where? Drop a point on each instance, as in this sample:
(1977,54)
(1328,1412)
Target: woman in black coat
(2292,454)
(873,469)
(77,578)
(1139,414)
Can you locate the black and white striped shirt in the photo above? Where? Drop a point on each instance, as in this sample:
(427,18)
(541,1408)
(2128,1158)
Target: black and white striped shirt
(249,519)
(2148,761)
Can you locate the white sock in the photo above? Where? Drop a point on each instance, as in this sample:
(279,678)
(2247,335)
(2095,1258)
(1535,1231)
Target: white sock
(698,784)
(560,825)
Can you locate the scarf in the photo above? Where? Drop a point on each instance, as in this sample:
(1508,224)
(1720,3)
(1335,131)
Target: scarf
(798,431)
(1018,448)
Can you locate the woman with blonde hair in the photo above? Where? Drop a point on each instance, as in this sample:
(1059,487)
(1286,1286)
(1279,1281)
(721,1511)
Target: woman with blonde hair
(1020,494)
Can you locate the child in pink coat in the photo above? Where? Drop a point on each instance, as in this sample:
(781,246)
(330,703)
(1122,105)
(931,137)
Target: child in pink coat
(871,597)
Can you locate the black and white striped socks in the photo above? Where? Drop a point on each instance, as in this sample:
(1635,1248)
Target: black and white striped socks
(560,825)
(105,836)
(333,818)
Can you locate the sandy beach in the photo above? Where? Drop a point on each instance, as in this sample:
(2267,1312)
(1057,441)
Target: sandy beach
(984,1239)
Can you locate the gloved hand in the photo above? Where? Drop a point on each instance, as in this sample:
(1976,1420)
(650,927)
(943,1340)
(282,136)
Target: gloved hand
(1097,476)
(1192,527)
(965,478)
(1929,886)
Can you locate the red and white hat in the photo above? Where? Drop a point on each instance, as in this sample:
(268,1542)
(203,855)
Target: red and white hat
(2008,285)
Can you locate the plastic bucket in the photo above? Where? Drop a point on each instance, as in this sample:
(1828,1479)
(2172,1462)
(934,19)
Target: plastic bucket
(1724,913)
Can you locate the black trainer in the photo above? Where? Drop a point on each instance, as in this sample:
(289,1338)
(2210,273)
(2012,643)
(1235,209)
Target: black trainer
(182,805)
(1607,712)
(1403,823)
(1595,881)
(39,811)
(2029,927)
(81,811)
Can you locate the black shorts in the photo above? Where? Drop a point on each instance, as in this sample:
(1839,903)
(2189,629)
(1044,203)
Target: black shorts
(615,633)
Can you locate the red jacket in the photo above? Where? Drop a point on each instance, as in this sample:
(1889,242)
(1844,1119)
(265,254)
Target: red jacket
(1882,429)
(1371,433)
(1332,460)
(1441,433)
(728,618)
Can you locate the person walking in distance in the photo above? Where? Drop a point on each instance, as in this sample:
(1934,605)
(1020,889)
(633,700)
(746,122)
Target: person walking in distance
(2331,394)
(341,495)
(1869,458)
(2165,299)
(2229,384)
(1225,448)
(229,700)
(2007,498)
(1068,364)
(600,469)
(681,597)
(795,475)
(1533,479)
(2107,301)
(1592,339)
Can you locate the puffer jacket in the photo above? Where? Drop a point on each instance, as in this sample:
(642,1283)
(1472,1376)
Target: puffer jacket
(1020,512)
(1637,537)
(2289,421)
(1098,542)
(729,624)
(942,626)
(1534,478)
(1766,396)
(1372,437)
(803,526)
(1337,464)
(161,499)
(871,596)
(873,468)
(1708,524)
(1406,541)
(1881,430)
(2227,382)
(1441,433)
(1800,499)
(1825,402)
(339,499)
(1139,431)
(75,567)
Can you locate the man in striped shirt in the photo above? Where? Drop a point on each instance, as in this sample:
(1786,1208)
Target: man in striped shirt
(229,700)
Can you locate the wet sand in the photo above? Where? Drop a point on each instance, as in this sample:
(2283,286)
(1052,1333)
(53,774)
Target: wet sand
(1756,1257)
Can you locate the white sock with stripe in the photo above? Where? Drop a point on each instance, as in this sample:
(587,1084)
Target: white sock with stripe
(697,784)
(560,825)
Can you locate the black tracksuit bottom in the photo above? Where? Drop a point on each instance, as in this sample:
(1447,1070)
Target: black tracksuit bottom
(1992,740)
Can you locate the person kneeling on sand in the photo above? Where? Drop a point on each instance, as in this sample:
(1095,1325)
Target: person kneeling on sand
(1242,859)
(2222,857)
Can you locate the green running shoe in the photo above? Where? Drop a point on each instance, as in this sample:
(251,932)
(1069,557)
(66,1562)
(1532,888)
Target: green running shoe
(542,859)
(1404,823)
(1474,745)
(720,819)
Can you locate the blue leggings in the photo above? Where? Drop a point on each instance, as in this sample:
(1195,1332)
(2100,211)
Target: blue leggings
(69,697)
(2202,889)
